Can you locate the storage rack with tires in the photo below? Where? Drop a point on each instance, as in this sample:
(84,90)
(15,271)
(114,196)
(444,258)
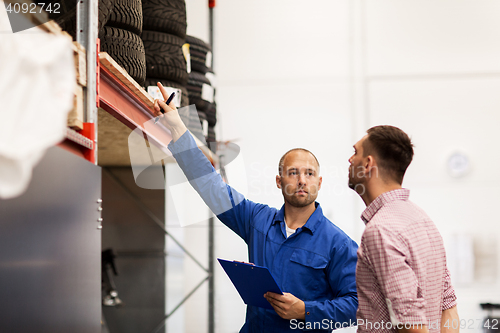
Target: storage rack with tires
(109,93)
(201,88)
(164,36)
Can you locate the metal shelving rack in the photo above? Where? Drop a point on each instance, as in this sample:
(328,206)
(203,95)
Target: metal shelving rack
(106,91)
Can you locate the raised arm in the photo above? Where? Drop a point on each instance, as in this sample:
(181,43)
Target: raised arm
(230,206)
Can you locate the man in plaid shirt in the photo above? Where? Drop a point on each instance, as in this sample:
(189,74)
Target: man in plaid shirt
(402,280)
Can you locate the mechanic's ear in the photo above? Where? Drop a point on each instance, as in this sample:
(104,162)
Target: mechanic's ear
(278,181)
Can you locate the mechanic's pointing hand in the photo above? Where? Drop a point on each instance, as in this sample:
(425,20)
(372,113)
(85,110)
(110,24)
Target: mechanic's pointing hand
(170,118)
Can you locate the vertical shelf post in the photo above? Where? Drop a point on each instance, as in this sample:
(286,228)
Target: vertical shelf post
(211,240)
(87,12)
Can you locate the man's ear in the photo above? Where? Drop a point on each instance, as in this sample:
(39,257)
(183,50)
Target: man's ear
(278,181)
(371,167)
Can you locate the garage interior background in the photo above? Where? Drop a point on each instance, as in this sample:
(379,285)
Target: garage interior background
(316,75)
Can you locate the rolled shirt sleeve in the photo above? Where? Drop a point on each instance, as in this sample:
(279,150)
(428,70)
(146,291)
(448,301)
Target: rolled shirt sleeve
(449,297)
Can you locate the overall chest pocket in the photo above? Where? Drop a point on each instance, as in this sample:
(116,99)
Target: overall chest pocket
(307,272)
(308,259)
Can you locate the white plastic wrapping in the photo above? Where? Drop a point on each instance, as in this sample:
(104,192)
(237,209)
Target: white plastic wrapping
(37,81)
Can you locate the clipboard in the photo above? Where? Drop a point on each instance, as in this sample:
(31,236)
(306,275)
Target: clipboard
(251,281)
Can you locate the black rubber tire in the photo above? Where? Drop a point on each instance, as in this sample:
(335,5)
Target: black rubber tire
(211,133)
(165,16)
(198,62)
(195,98)
(194,86)
(106,7)
(202,117)
(198,44)
(66,18)
(164,57)
(211,113)
(185,95)
(212,139)
(68,9)
(127,15)
(198,79)
(198,50)
(127,49)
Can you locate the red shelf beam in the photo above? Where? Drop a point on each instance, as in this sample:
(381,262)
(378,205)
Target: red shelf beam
(119,101)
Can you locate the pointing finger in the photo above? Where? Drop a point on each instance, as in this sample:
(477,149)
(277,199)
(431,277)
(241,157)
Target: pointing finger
(162,90)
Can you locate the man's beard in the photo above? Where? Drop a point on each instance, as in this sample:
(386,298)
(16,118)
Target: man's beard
(356,186)
(351,181)
(296,202)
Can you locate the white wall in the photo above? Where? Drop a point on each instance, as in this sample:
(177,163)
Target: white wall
(317,74)
(433,70)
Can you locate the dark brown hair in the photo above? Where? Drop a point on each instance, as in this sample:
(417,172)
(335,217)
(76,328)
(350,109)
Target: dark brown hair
(392,148)
(282,159)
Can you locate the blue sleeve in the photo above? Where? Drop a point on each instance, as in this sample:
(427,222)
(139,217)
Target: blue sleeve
(341,273)
(230,206)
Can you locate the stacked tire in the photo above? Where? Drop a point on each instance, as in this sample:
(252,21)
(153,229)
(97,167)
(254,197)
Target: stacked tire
(120,25)
(201,88)
(120,38)
(65,16)
(163,35)
(212,120)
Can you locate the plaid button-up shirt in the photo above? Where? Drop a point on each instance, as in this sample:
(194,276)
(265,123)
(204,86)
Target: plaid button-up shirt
(401,274)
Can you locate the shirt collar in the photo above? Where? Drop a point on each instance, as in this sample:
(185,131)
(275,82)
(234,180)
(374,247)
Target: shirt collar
(311,224)
(381,200)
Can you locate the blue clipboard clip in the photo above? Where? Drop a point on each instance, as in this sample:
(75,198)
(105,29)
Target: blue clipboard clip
(251,282)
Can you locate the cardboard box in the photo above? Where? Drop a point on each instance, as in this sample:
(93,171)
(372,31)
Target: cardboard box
(75,116)
(80,55)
